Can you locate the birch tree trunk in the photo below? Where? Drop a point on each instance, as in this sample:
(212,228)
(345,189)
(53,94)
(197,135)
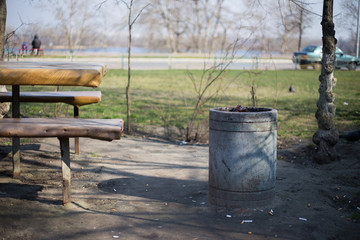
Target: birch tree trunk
(327,135)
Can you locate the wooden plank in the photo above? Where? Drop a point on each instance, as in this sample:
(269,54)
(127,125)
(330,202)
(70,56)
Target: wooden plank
(75,98)
(103,129)
(66,170)
(45,73)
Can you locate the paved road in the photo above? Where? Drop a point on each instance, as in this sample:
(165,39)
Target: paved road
(180,63)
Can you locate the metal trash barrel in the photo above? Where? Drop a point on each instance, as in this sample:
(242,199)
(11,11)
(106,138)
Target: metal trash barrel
(242,157)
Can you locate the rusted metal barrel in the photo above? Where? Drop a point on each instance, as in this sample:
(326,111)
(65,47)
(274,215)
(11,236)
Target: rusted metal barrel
(242,157)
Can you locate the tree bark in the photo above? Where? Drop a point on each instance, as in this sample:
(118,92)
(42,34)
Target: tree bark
(4,107)
(128,100)
(3,13)
(301,18)
(327,135)
(217,22)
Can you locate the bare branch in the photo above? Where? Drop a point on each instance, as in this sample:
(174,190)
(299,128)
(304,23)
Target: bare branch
(126,4)
(12,33)
(301,5)
(99,6)
(139,13)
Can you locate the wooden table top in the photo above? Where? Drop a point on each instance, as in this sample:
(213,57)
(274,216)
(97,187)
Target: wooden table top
(58,74)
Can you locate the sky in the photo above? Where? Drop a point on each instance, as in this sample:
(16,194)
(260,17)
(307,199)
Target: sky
(26,11)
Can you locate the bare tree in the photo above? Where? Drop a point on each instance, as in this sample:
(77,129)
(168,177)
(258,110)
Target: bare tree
(218,19)
(205,90)
(348,21)
(302,19)
(287,25)
(208,18)
(259,13)
(198,25)
(131,22)
(170,16)
(327,135)
(300,25)
(207,87)
(74,21)
(292,18)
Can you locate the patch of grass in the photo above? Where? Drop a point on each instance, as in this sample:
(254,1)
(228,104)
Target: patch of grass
(160,97)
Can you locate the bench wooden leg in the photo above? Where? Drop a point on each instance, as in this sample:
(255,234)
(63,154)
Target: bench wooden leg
(77,140)
(66,170)
(16,156)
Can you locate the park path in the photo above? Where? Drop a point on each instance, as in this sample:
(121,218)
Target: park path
(164,63)
(146,188)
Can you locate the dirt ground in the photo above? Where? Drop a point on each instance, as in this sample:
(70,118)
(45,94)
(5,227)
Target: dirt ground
(139,188)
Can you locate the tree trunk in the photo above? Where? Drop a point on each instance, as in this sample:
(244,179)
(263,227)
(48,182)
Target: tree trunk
(70,37)
(164,13)
(4,107)
(198,28)
(284,42)
(3,12)
(207,21)
(327,135)
(218,19)
(300,28)
(130,24)
(128,100)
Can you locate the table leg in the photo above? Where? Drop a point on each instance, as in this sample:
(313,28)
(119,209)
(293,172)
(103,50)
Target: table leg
(77,139)
(16,101)
(16,156)
(16,140)
(66,170)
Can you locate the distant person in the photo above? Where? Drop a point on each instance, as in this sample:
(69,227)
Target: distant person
(24,47)
(36,43)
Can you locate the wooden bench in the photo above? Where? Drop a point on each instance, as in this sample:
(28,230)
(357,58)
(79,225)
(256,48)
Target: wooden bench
(74,98)
(38,50)
(63,129)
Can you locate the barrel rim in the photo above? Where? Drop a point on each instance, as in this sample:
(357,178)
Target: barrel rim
(252,110)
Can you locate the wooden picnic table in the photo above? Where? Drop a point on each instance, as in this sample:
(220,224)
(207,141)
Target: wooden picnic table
(56,74)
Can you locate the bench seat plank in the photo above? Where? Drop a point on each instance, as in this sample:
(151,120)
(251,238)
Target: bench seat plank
(103,129)
(63,129)
(75,98)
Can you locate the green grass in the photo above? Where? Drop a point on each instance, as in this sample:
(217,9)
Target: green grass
(166,98)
